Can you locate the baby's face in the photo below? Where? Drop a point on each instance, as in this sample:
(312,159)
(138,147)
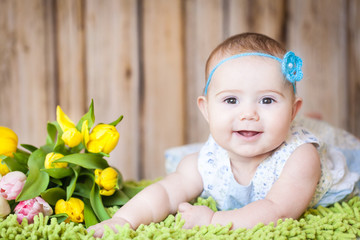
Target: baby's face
(249,107)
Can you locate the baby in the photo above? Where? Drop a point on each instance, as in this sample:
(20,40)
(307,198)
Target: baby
(259,163)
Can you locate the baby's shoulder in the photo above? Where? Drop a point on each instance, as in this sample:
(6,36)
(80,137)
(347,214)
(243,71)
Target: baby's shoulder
(189,162)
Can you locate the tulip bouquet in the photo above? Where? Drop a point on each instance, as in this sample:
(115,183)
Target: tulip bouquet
(67,176)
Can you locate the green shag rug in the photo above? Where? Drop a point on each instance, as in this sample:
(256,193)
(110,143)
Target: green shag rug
(340,221)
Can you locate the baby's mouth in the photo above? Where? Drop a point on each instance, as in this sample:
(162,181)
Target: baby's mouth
(248,134)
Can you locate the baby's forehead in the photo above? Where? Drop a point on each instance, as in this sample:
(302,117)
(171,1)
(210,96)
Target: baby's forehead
(252,68)
(221,55)
(257,64)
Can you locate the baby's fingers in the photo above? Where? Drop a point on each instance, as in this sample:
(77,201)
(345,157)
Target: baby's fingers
(98,228)
(111,223)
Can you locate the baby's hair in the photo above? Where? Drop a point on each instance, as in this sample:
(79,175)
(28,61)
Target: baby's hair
(243,43)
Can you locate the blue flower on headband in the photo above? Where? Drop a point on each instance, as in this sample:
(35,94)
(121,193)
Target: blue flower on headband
(291,67)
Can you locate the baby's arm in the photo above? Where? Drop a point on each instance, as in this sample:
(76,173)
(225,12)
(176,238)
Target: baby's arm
(157,201)
(289,197)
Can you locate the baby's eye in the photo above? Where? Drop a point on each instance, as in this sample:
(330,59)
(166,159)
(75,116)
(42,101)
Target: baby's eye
(267,100)
(231,100)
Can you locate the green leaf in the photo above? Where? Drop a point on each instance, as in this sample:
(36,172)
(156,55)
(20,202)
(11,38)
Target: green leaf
(47,148)
(96,203)
(56,181)
(52,131)
(85,160)
(82,190)
(90,116)
(57,126)
(13,165)
(12,204)
(119,198)
(52,195)
(89,215)
(87,172)
(60,144)
(70,189)
(22,157)
(77,149)
(58,173)
(61,217)
(114,123)
(84,184)
(104,154)
(29,147)
(37,181)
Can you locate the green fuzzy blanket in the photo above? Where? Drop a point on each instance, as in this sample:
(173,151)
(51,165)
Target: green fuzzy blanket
(340,221)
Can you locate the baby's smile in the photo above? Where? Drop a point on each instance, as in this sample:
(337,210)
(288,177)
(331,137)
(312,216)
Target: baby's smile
(249,135)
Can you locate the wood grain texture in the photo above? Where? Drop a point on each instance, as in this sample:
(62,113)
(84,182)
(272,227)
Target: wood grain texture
(25,100)
(163,65)
(353,66)
(319,38)
(70,47)
(263,16)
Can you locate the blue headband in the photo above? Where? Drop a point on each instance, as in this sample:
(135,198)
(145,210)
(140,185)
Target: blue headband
(290,65)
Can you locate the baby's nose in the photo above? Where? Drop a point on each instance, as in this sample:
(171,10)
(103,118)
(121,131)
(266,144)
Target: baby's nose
(249,114)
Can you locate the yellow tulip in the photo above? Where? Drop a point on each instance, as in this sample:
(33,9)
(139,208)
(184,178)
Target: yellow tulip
(103,138)
(71,136)
(51,157)
(107,180)
(63,120)
(85,131)
(8,141)
(3,168)
(8,145)
(74,208)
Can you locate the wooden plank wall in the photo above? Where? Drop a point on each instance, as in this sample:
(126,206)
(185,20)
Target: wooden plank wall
(145,59)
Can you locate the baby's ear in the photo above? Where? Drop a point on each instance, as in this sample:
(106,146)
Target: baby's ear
(296,107)
(203,106)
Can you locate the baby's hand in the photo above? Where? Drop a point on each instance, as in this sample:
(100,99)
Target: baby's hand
(195,215)
(99,228)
